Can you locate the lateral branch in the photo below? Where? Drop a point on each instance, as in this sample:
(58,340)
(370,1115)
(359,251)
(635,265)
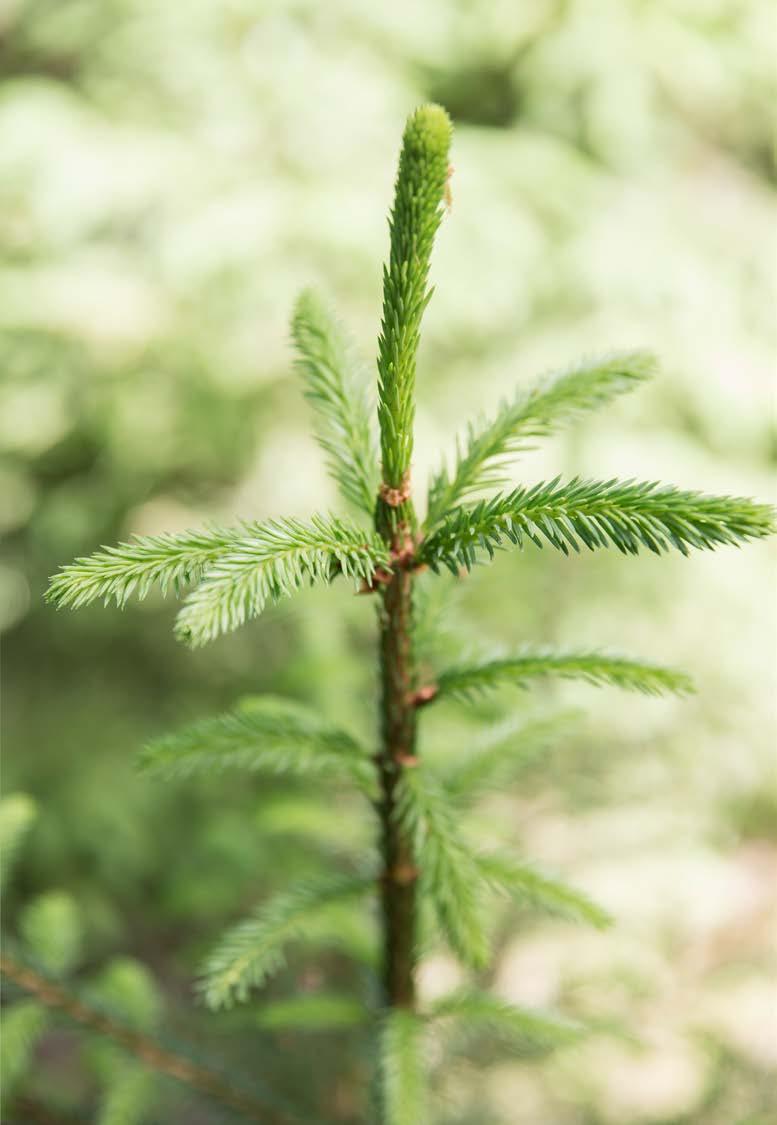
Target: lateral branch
(144,1048)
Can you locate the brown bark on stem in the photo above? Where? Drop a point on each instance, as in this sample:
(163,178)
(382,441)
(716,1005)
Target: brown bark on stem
(398,747)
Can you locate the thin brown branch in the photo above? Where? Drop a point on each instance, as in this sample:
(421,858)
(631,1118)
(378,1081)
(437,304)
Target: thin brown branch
(143,1047)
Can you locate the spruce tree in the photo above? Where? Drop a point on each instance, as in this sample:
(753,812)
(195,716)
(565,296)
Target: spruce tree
(227,576)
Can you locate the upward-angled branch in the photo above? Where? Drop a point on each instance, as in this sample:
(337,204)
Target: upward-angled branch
(628,515)
(525,883)
(254,949)
(418,199)
(497,757)
(525,1029)
(598,668)
(533,413)
(334,387)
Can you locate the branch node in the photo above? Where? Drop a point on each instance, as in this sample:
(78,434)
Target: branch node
(403,553)
(407,760)
(380,578)
(423,695)
(396,496)
(403,874)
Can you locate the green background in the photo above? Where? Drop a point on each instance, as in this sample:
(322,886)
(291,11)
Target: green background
(170,176)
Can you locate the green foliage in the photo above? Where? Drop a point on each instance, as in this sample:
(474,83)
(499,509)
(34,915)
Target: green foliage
(265,735)
(597,668)
(438,628)
(449,871)
(17,813)
(625,515)
(167,561)
(254,949)
(418,199)
(527,1031)
(533,413)
(23,1025)
(126,988)
(240,570)
(503,753)
(402,1069)
(345,926)
(335,387)
(128,1097)
(528,885)
(303,818)
(237,572)
(278,560)
(315,1011)
(123,1006)
(51,927)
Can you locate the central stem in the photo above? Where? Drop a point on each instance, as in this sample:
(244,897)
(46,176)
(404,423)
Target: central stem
(398,744)
(416,214)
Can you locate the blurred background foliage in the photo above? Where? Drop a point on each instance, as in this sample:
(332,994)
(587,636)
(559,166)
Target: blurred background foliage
(170,176)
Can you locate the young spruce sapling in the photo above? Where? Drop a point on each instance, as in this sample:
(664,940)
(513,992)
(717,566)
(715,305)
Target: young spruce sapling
(232,573)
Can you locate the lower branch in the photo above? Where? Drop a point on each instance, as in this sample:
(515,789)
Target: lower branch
(144,1048)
